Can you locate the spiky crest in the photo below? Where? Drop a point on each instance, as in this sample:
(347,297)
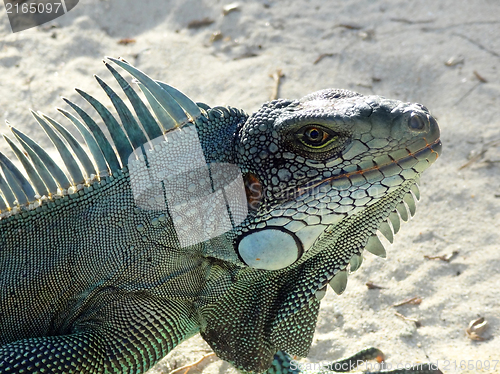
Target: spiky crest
(46,180)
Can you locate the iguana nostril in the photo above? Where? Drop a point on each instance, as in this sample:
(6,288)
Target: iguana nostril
(416,122)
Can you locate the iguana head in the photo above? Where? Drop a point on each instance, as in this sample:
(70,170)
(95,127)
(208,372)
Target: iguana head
(313,163)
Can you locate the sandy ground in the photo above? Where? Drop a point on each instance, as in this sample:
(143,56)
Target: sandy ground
(444,54)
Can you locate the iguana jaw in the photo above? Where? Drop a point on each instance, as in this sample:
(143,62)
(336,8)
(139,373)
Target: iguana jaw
(426,156)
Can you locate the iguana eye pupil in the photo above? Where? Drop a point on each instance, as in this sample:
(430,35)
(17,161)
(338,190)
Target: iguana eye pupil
(314,134)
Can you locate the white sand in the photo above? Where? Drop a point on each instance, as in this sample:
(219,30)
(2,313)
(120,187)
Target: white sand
(460,209)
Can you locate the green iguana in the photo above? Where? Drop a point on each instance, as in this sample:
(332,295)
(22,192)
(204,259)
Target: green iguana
(198,220)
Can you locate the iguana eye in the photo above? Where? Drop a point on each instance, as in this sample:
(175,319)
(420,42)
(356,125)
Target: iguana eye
(314,136)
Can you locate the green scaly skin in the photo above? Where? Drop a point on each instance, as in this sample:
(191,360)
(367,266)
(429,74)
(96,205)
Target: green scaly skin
(94,283)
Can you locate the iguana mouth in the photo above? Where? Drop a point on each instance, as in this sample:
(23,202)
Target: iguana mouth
(427,154)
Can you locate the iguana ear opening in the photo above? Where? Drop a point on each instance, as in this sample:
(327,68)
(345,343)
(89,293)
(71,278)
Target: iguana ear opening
(253,191)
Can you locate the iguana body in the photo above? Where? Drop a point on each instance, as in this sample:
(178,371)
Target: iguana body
(114,271)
